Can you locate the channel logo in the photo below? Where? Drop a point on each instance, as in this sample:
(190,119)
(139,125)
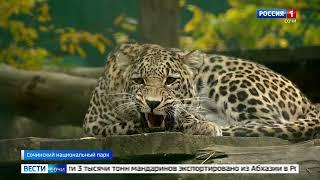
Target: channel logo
(57,168)
(276,13)
(43,168)
(34,168)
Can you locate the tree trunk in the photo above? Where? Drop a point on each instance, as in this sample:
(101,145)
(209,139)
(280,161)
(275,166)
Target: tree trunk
(50,98)
(159,22)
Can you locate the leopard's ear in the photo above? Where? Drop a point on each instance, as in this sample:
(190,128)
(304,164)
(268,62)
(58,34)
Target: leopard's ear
(123,60)
(194,60)
(126,54)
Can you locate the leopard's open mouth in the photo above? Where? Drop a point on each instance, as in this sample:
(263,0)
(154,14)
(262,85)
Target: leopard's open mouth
(155,122)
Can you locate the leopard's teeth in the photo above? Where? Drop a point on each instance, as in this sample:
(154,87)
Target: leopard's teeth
(162,126)
(149,124)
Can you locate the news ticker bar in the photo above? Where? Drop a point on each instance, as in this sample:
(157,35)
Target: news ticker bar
(159,168)
(64,155)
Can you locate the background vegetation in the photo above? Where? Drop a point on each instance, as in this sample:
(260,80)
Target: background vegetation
(32,37)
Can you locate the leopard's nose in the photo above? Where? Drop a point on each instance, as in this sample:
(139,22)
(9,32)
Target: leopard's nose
(153,104)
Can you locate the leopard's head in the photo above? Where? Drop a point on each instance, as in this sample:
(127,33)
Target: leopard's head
(160,83)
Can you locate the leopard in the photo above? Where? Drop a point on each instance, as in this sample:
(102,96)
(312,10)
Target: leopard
(147,88)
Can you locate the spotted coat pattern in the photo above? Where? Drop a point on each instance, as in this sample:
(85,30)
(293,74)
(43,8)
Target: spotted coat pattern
(195,92)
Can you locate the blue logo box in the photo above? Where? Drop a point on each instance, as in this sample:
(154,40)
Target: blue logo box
(57,168)
(271,13)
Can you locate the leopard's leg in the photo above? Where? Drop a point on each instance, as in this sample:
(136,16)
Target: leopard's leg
(103,119)
(196,124)
(106,124)
(118,128)
(298,130)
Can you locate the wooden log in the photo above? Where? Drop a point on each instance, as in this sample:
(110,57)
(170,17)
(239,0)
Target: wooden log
(155,148)
(134,147)
(51,98)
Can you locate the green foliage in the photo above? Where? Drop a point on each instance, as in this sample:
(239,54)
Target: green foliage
(127,25)
(26,21)
(238,28)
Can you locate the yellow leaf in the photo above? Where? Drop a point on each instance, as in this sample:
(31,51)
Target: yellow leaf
(43,28)
(128,27)
(197,18)
(101,48)
(72,48)
(283,43)
(81,52)
(118,20)
(44,13)
(182,3)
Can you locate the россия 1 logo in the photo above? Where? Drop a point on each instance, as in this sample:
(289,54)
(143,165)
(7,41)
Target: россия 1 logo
(289,14)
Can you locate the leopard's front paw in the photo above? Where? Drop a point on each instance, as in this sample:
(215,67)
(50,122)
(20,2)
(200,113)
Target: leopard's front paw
(210,129)
(202,128)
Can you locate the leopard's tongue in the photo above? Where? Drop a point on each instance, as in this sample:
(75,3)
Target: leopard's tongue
(155,121)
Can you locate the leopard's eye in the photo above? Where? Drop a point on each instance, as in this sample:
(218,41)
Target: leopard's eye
(138,80)
(170,80)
